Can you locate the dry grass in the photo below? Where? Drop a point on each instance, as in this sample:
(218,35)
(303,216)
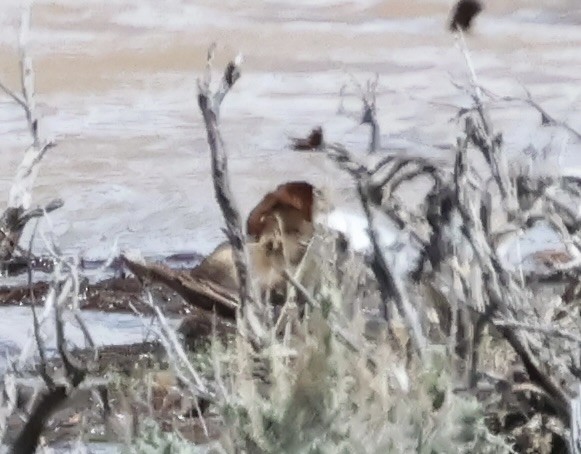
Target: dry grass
(312,390)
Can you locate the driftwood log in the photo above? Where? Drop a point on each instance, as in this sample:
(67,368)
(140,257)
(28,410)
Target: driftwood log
(204,293)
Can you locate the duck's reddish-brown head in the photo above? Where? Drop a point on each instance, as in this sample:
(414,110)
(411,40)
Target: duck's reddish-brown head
(294,197)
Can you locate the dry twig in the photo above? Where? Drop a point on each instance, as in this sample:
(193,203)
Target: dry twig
(368,116)
(18,213)
(57,393)
(209,104)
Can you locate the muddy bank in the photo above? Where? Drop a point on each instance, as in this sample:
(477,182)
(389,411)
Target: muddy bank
(108,295)
(195,332)
(104,287)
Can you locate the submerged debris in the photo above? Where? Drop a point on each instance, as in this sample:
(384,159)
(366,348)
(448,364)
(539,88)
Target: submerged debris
(311,143)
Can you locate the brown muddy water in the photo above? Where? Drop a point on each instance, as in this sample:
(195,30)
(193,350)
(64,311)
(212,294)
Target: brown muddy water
(116,85)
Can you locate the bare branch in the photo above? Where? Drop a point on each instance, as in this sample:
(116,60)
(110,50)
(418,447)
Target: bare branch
(40,211)
(36,325)
(27,78)
(14,96)
(368,116)
(388,286)
(181,364)
(210,106)
(15,217)
(56,394)
(74,372)
(545,330)
(575,445)
(546,118)
(301,289)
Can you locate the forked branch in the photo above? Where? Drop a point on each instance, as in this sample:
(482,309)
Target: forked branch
(56,393)
(18,212)
(210,104)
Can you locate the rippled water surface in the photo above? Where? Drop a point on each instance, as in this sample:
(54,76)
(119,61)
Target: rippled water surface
(17,335)
(116,86)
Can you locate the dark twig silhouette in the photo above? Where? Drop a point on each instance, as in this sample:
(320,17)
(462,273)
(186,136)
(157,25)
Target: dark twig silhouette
(56,394)
(313,142)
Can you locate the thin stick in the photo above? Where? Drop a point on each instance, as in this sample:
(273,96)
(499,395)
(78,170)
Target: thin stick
(210,106)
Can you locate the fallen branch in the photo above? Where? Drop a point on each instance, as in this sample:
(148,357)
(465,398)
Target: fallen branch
(203,293)
(544,330)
